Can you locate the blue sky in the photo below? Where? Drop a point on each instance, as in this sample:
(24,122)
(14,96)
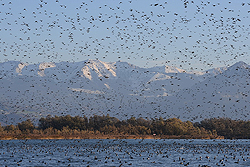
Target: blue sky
(186,34)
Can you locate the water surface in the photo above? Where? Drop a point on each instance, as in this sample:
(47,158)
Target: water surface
(127,152)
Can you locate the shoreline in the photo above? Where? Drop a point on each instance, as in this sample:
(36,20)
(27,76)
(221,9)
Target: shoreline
(59,137)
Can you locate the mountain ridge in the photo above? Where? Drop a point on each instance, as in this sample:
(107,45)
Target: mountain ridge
(122,90)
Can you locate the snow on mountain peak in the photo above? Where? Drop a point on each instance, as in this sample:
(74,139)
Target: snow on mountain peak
(170,69)
(43,66)
(20,67)
(215,71)
(239,65)
(241,69)
(8,68)
(86,72)
(167,69)
(160,76)
(102,69)
(122,65)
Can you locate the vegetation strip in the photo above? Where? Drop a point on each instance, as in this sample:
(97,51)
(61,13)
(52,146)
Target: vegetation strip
(106,127)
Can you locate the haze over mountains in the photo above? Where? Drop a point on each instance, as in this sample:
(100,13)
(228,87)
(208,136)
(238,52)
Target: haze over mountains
(122,90)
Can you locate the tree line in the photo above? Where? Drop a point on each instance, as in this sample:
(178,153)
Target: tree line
(230,129)
(107,125)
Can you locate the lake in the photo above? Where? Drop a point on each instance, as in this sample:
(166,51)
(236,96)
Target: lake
(125,152)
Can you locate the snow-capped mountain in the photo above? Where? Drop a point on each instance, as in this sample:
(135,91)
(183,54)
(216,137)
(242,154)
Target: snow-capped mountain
(122,90)
(223,95)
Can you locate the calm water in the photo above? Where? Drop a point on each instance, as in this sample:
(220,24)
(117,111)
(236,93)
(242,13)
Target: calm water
(128,152)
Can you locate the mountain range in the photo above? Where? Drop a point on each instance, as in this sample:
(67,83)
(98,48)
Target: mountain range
(122,90)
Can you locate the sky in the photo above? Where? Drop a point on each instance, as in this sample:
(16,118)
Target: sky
(192,35)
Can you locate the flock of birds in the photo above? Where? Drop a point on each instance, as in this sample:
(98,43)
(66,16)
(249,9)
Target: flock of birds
(180,33)
(122,90)
(203,32)
(133,152)
(193,31)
